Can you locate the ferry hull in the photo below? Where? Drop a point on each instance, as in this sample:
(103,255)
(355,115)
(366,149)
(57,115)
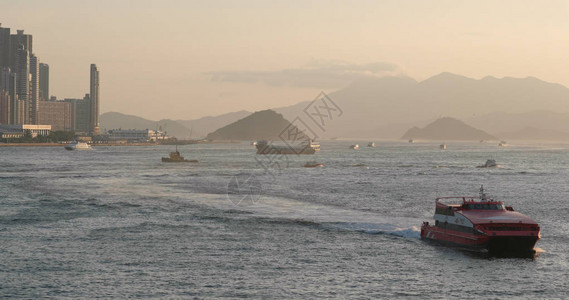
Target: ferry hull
(502,245)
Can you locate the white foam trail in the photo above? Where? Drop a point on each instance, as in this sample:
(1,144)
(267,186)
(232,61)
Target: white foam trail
(330,216)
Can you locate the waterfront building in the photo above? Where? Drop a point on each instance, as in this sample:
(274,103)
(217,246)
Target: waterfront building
(19,130)
(136,135)
(44,81)
(80,114)
(94,99)
(58,114)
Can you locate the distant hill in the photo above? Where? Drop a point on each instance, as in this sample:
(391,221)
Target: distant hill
(384,107)
(115,120)
(447,129)
(202,126)
(265,124)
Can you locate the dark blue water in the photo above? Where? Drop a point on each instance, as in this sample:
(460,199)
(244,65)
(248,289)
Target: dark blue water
(115,222)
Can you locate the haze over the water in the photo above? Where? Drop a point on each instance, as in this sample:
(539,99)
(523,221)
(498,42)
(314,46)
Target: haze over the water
(188,59)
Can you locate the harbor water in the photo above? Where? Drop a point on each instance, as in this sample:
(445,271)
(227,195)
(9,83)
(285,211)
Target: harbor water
(116,222)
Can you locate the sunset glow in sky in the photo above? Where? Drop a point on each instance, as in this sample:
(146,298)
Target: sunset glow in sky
(188,59)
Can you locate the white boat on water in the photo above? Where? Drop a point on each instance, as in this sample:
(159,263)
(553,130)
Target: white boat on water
(443,146)
(78,146)
(371,144)
(355,147)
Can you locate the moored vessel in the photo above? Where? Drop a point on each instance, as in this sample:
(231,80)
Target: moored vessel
(481,223)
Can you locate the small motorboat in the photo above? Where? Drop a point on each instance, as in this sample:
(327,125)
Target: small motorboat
(411,141)
(355,147)
(78,146)
(489,164)
(481,223)
(176,157)
(502,144)
(313,164)
(443,146)
(371,144)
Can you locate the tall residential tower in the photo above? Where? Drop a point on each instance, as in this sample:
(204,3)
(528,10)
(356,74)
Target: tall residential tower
(94,98)
(44,81)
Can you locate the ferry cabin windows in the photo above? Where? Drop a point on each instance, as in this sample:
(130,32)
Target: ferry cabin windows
(483,206)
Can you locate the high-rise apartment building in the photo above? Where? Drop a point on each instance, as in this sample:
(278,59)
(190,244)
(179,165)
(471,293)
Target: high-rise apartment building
(80,114)
(23,82)
(15,106)
(34,89)
(17,40)
(4,47)
(94,98)
(58,114)
(44,81)
(5,112)
(23,73)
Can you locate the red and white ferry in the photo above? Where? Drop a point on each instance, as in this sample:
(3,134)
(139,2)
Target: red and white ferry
(482,223)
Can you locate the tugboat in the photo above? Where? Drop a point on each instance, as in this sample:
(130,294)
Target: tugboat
(481,223)
(491,163)
(176,157)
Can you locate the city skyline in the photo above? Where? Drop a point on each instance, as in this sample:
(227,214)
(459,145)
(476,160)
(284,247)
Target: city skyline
(25,100)
(186,60)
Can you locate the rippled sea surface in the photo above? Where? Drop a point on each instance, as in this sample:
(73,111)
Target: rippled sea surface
(116,222)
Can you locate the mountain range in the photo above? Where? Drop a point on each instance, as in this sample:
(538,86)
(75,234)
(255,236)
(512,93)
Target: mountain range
(387,107)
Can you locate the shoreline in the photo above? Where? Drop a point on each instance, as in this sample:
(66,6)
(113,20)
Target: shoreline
(62,145)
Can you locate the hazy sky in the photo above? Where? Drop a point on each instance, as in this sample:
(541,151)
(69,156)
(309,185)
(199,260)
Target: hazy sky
(187,59)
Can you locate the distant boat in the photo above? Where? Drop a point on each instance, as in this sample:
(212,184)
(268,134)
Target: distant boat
(176,157)
(355,147)
(502,144)
(313,164)
(309,147)
(489,164)
(78,146)
(411,141)
(443,146)
(254,143)
(371,144)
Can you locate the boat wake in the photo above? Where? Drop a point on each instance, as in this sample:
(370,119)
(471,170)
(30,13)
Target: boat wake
(329,217)
(380,228)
